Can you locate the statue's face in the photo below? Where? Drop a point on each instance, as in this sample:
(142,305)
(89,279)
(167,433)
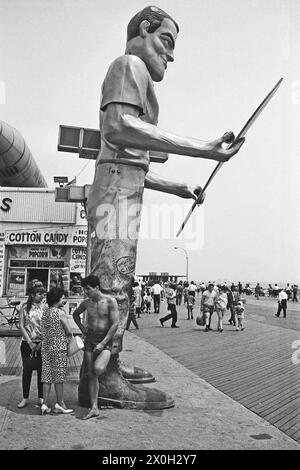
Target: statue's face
(158,49)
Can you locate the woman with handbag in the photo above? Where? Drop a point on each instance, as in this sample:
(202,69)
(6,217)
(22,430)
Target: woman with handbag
(30,326)
(55,331)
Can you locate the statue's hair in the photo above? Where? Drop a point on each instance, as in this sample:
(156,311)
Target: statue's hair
(154,15)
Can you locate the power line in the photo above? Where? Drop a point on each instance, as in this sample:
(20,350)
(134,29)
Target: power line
(83,168)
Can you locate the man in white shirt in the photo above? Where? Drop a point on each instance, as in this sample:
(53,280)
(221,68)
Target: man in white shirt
(202,287)
(208,305)
(282,303)
(156,291)
(171,299)
(192,288)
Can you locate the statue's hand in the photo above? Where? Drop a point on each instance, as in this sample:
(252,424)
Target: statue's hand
(195,190)
(221,154)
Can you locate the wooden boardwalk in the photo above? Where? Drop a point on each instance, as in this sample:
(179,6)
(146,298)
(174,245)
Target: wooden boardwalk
(254,367)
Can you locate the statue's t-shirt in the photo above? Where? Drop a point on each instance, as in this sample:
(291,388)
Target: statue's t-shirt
(128,82)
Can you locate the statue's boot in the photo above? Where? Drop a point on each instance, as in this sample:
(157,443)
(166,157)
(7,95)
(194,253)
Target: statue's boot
(115,390)
(135,375)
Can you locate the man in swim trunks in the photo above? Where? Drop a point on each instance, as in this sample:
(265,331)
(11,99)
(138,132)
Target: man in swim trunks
(102,323)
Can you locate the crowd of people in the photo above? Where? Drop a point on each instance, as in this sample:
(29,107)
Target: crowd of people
(215,297)
(147,297)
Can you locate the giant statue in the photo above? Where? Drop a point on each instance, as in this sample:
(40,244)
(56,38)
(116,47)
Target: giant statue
(129,134)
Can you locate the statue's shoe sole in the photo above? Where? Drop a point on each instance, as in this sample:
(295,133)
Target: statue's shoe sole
(137,405)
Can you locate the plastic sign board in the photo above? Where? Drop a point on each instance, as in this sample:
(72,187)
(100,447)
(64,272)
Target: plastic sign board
(87,142)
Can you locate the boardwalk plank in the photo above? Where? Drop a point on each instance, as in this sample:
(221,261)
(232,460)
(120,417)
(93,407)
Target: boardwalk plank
(270,399)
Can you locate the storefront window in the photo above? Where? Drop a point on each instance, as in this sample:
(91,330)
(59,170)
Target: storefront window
(34,275)
(46,264)
(58,266)
(60,278)
(75,285)
(16,282)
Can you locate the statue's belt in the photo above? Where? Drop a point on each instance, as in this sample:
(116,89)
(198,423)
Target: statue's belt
(115,161)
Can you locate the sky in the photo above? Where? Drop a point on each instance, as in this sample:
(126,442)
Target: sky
(54,55)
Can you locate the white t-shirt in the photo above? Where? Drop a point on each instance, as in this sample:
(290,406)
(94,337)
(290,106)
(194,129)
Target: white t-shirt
(222,300)
(208,298)
(156,289)
(282,296)
(192,287)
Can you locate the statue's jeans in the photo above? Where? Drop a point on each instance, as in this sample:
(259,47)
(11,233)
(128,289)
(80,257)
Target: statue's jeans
(114,213)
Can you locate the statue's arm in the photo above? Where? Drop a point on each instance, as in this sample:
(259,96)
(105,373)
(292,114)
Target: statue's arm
(123,128)
(183,190)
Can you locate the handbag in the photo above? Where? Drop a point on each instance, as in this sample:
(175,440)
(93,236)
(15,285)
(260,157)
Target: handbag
(200,319)
(75,345)
(34,361)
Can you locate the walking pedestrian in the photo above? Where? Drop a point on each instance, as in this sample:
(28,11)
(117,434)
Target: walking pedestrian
(282,303)
(208,305)
(185,291)
(137,292)
(230,306)
(179,292)
(220,306)
(257,291)
(192,289)
(132,311)
(148,301)
(240,313)
(190,305)
(156,292)
(171,299)
(289,291)
(295,293)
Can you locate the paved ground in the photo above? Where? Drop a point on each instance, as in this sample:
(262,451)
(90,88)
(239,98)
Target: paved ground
(203,417)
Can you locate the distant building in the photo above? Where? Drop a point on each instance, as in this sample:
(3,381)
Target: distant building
(154,277)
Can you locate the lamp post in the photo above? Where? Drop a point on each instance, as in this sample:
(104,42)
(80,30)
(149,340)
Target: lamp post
(187,260)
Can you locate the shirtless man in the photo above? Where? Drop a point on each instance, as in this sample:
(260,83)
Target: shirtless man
(102,323)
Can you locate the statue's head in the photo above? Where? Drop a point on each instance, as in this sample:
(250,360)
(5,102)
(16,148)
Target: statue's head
(151,35)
